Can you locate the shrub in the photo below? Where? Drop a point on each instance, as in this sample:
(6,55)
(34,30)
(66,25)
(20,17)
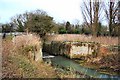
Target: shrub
(62,31)
(76,31)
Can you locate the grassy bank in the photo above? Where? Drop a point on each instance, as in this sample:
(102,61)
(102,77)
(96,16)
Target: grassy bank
(17,65)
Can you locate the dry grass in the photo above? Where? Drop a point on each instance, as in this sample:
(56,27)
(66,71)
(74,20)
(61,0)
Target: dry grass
(30,39)
(84,38)
(16,65)
(30,45)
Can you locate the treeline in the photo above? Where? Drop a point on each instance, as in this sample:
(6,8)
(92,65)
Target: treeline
(37,21)
(81,29)
(93,13)
(40,22)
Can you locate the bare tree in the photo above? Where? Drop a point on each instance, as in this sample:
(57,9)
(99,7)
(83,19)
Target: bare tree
(110,11)
(118,8)
(87,12)
(20,21)
(91,11)
(95,19)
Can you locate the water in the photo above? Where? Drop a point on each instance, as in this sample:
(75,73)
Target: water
(65,62)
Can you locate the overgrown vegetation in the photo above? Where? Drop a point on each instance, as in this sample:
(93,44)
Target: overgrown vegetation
(17,65)
(17,52)
(105,58)
(108,63)
(69,73)
(84,38)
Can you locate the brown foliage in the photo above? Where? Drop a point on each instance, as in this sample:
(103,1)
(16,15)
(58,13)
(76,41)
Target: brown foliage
(84,38)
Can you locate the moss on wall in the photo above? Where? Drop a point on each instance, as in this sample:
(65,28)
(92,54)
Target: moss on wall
(71,49)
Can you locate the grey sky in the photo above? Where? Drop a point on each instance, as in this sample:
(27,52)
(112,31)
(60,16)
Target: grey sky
(61,10)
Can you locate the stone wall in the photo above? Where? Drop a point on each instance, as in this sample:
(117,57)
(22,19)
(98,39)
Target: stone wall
(71,49)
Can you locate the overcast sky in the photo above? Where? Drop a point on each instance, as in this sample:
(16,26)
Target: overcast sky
(61,10)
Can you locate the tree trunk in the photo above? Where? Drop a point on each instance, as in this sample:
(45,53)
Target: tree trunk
(110,20)
(95,24)
(91,16)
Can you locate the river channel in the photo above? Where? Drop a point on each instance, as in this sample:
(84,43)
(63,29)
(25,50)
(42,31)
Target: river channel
(68,63)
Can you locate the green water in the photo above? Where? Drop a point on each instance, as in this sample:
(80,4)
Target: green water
(65,62)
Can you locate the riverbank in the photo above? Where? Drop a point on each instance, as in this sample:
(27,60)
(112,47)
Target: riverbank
(17,65)
(105,60)
(106,64)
